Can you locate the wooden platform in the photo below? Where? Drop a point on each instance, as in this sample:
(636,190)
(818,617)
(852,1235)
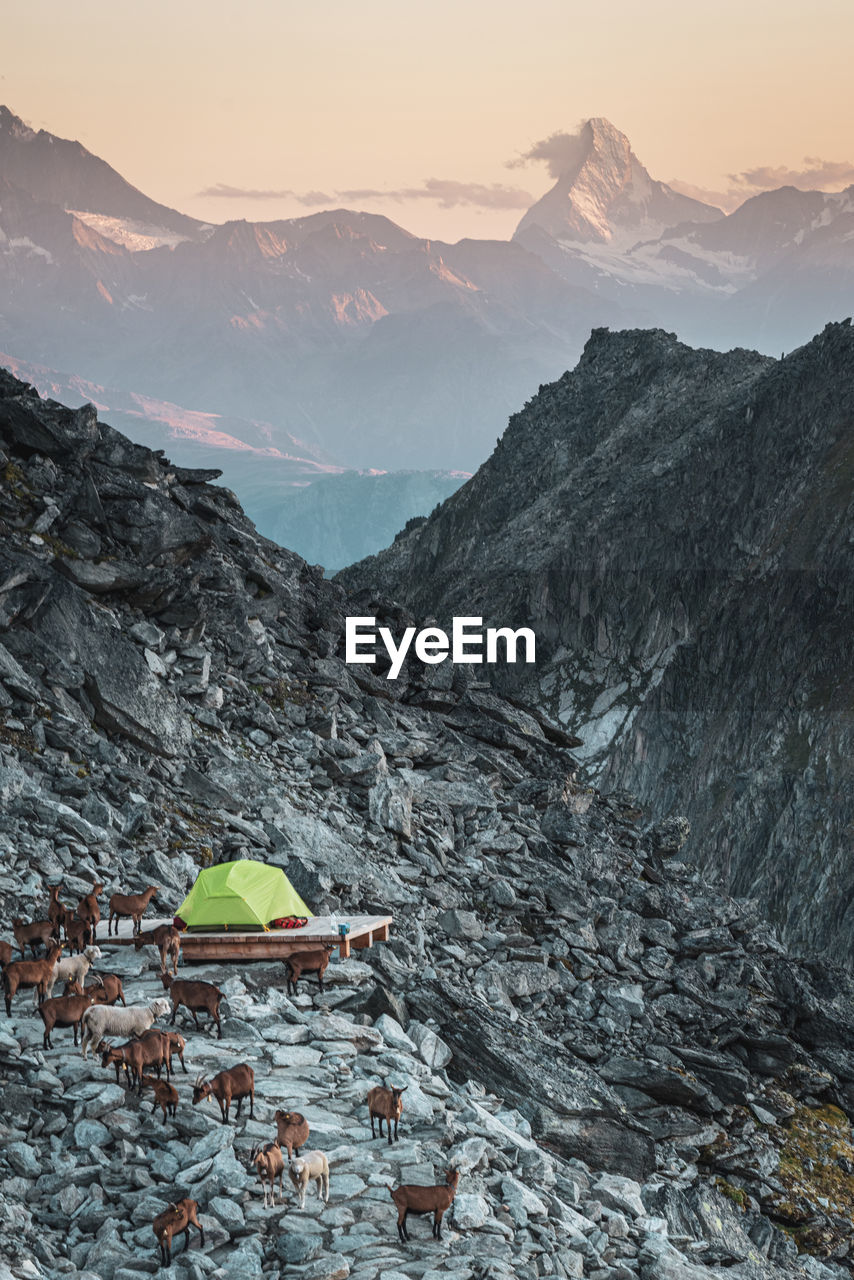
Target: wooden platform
(275,944)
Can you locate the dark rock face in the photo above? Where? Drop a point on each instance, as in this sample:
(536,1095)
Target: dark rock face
(606,1046)
(675,525)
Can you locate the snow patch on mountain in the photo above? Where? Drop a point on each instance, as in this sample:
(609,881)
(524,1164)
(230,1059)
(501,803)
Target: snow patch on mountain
(136,236)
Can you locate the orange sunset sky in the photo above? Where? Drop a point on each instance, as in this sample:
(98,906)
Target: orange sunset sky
(415,110)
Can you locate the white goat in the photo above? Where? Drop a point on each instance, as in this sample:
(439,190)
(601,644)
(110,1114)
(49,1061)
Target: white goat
(311,1166)
(101,1020)
(73,968)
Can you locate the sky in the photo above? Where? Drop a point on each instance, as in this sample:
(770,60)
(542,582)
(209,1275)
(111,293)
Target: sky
(273,109)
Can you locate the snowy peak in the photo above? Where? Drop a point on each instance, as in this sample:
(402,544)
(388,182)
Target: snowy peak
(606,195)
(63,173)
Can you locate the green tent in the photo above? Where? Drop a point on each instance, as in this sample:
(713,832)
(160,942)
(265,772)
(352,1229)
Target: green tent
(240,895)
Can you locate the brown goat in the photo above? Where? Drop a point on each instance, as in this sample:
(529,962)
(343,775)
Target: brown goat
(292,1130)
(270,1167)
(113,1056)
(228,1086)
(413,1199)
(177,1044)
(39,933)
(5,954)
(165,1096)
(77,933)
(63,1011)
(177,1218)
(56,910)
(315,960)
(385,1104)
(29,973)
(106,989)
(168,941)
(133,905)
(88,910)
(166,1039)
(196,996)
(149,1050)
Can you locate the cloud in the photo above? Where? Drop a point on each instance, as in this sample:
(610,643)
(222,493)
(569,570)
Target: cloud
(726,200)
(559,152)
(816,175)
(221,190)
(447,192)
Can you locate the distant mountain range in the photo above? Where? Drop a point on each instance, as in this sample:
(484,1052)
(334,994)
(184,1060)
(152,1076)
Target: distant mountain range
(343,341)
(766,276)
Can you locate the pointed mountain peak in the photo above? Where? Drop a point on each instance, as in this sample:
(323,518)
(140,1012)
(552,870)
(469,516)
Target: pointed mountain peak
(64,173)
(14,125)
(604,194)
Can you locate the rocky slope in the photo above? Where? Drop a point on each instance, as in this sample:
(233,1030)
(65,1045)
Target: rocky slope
(675,525)
(356,515)
(633,1076)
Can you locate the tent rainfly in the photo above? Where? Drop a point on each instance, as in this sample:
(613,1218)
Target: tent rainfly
(240,895)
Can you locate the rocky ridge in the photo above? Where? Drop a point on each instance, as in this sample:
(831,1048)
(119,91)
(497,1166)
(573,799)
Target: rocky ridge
(675,526)
(633,1075)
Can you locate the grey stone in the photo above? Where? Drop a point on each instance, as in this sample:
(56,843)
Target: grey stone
(470,1210)
(91,1133)
(23,1159)
(393,1034)
(623,1194)
(627,998)
(432,1048)
(461,924)
(332,1267)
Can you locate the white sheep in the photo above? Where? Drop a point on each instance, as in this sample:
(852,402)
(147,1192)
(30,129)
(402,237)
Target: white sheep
(312,1165)
(73,968)
(101,1020)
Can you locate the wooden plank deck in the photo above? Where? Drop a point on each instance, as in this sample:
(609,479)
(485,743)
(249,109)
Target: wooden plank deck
(275,944)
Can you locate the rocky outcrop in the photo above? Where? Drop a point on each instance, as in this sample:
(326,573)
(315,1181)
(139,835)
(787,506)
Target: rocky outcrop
(675,526)
(631,1073)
